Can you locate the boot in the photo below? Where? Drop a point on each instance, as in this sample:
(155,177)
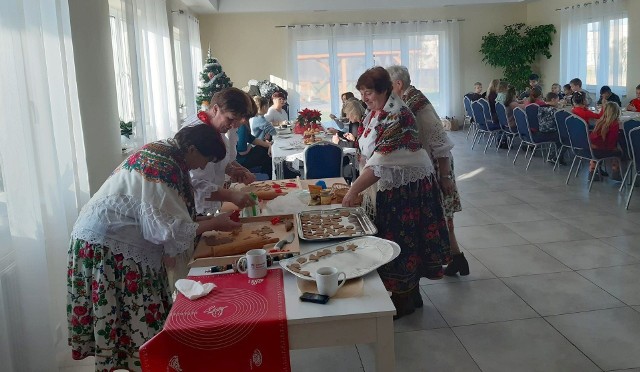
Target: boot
(403,304)
(416,297)
(459,264)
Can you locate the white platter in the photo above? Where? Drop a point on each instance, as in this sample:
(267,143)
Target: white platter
(371,253)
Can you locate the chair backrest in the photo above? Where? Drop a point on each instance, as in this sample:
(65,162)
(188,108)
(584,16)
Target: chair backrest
(487,110)
(561,122)
(478,115)
(521,123)
(532,116)
(579,136)
(467,106)
(627,126)
(323,160)
(503,120)
(634,145)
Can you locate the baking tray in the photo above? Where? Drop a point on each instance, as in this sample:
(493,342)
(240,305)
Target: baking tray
(353,223)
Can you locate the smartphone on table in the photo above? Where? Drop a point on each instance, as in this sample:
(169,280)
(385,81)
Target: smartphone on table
(314,297)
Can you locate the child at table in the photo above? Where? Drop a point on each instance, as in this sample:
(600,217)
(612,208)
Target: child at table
(260,127)
(604,139)
(567,94)
(634,105)
(557,89)
(580,108)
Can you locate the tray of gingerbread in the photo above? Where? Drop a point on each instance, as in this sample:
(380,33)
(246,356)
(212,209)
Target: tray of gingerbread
(217,248)
(338,223)
(268,190)
(356,257)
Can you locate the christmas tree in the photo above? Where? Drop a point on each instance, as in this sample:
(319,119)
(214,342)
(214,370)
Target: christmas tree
(212,79)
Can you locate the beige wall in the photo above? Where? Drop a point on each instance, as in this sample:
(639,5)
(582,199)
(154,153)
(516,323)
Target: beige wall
(544,12)
(250,47)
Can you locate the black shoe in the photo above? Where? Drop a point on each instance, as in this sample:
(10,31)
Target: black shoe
(603,173)
(459,264)
(596,178)
(403,304)
(416,297)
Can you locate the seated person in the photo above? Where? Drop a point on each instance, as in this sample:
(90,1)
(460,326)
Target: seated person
(260,127)
(253,152)
(503,86)
(477,92)
(535,97)
(354,114)
(546,113)
(533,83)
(510,103)
(634,105)
(604,140)
(606,95)
(276,112)
(567,94)
(580,108)
(576,86)
(557,89)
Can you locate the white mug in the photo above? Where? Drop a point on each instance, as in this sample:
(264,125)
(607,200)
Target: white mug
(256,263)
(327,280)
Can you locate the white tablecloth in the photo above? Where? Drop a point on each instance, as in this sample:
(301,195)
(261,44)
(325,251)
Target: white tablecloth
(290,147)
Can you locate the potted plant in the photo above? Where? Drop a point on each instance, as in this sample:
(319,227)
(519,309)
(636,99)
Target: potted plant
(516,50)
(307,120)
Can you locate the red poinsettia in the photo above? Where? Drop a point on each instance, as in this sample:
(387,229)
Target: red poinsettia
(308,116)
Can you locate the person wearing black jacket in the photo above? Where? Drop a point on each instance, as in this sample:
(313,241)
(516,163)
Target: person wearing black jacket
(606,95)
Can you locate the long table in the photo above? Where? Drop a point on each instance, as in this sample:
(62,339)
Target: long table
(290,147)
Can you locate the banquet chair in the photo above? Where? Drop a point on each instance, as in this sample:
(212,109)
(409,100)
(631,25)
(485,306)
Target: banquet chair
(529,138)
(561,123)
(626,128)
(507,131)
(468,114)
(532,116)
(581,144)
(634,146)
(322,160)
(484,126)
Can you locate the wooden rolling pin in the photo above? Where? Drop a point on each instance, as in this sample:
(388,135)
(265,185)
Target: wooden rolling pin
(242,246)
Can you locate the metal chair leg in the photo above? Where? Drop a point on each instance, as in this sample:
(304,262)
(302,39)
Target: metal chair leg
(626,174)
(489,141)
(579,166)
(513,138)
(633,183)
(517,153)
(596,171)
(571,170)
(535,147)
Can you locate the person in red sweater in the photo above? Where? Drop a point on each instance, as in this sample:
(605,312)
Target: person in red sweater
(634,105)
(604,139)
(580,108)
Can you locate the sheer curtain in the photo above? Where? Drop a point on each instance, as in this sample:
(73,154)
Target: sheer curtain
(593,44)
(188,60)
(151,64)
(44,178)
(326,60)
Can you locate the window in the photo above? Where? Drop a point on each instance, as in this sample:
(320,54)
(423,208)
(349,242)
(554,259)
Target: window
(122,65)
(327,60)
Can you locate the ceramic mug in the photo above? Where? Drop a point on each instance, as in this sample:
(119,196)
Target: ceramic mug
(255,264)
(327,280)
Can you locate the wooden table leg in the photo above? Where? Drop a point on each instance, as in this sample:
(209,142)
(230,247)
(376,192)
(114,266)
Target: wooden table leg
(385,350)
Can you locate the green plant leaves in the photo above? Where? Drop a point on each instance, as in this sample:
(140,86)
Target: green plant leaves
(517,49)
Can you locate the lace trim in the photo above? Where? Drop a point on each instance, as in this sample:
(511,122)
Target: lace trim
(135,229)
(393,177)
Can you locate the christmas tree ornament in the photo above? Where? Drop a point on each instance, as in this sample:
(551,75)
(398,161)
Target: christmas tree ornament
(212,80)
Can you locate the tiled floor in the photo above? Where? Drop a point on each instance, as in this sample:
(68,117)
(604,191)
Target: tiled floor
(553,286)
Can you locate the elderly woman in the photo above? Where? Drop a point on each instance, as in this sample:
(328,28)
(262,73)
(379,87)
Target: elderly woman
(229,109)
(435,140)
(123,243)
(400,192)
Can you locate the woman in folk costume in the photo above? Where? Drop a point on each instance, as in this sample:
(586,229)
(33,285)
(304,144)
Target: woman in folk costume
(229,109)
(125,240)
(435,140)
(400,192)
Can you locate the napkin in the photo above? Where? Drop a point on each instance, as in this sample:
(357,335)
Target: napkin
(192,289)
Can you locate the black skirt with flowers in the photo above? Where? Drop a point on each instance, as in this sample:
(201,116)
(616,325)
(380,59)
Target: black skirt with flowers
(412,216)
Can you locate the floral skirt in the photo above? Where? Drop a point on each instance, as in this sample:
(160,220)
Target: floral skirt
(114,306)
(412,216)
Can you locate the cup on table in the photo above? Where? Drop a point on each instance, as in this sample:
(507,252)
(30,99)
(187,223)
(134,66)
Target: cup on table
(327,280)
(254,263)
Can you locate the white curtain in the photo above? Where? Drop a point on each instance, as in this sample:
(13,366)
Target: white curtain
(44,179)
(326,60)
(593,44)
(151,64)
(188,62)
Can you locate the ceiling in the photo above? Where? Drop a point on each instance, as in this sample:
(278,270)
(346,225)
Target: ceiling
(260,6)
